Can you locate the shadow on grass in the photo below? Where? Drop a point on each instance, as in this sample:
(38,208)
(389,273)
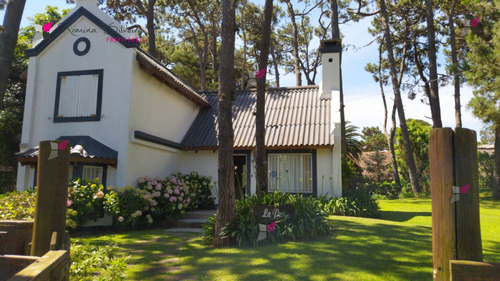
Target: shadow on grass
(402,216)
(356,252)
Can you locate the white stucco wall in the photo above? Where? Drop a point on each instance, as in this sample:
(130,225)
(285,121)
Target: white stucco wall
(204,162)
(112,129)
(160,111)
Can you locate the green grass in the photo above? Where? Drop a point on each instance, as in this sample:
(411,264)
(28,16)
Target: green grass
(397,246)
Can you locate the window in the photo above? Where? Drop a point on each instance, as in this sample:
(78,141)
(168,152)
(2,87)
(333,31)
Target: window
(291,172)
(78,96)
(92,172)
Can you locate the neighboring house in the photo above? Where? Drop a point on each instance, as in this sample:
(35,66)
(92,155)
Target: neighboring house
(128,116)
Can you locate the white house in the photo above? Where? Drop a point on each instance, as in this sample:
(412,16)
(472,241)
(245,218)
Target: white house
(128,116)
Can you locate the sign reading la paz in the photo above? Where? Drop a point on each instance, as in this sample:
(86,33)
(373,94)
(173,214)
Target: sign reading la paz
(266,213)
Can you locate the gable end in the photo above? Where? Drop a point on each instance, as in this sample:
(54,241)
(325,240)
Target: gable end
(68,22)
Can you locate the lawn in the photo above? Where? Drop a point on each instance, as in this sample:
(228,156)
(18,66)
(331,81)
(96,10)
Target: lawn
(397,246)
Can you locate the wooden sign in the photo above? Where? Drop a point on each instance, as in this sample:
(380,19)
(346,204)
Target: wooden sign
(265,213)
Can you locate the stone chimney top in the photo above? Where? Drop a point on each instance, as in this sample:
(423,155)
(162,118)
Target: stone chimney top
(86,3)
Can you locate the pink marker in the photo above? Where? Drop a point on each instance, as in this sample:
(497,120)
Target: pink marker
(62,145)
(271,226)
(46,27)
(464,188)
(475,22)
(260,73)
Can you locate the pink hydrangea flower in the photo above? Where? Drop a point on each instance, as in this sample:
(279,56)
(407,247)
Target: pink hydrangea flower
(188,200)
(166,195)
(169,191)
(173,199)
(140,180)
(154,203)
(154,182)
(158,178)
(182,194)
(177,191)
(149,187)
(173,180)
(148,178)
(69,202)
(159,186)
(180,198)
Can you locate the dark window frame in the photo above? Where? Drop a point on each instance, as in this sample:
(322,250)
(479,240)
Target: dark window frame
(314,166)
(97,117)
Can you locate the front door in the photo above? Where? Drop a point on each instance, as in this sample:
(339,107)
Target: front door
(240,175)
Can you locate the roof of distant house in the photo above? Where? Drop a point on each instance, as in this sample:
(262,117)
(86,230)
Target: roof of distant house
(295,118)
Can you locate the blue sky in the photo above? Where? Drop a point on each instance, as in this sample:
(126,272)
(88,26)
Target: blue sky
(361,94)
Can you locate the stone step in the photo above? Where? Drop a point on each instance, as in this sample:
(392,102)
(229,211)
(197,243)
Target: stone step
(198,214)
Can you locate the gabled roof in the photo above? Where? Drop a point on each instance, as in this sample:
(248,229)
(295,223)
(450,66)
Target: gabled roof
(295,118)
(81,12)
(155,68)
(91,151)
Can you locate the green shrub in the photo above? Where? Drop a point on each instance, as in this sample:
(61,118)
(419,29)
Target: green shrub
(357,203)
(96,263)
(17,205)
(85,202)
(309,221)
(486,167)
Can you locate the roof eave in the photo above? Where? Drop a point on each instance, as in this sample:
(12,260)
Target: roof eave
(164,77)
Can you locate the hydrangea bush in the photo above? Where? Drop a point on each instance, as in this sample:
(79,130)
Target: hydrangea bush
(155,201)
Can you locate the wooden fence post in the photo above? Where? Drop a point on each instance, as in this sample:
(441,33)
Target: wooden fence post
(467,218)
(52,195)
(443,213)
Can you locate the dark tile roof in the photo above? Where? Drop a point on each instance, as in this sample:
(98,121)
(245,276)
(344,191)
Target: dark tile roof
(92,151)
(295,118)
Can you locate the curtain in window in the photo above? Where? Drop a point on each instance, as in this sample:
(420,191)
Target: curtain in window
(290,172)
(78,95)
(92,172)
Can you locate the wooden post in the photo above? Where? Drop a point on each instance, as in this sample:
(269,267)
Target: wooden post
(468,229)
(52,195)
(473,270)
(443,213)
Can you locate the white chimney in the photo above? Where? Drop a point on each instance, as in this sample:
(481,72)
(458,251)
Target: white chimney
(86,3)
(331,51)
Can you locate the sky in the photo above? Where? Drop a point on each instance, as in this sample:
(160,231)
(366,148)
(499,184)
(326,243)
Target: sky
(363,102)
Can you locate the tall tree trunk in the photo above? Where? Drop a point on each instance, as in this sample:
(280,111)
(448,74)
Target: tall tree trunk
(243,68)
(8,41)
(389,137)
(226,210)
(398,101)
(434,96)
(215,61)
(454,61)
(260,129)
(334,15)
(203,66)
(295,45)
(150,26)
(496,171)
(276,66)
(394,161)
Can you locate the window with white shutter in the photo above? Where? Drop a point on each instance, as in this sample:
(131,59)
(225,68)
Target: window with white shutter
(78,96)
